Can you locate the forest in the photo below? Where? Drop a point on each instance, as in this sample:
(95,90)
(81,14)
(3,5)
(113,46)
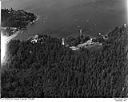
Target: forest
(16,18)
(48,69)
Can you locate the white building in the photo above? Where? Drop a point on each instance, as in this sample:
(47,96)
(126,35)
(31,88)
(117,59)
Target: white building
(35,39)
(74,48)
(63,43)
(125,25)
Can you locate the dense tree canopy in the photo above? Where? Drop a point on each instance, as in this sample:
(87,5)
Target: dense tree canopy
(18,19)
(48,69)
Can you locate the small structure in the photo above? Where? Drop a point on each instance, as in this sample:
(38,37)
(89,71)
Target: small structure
(89,42)
(63,43)
(81,32)
(125,25)
(99,33)
(74,48)
(35,39)
(81,35)
(105,37)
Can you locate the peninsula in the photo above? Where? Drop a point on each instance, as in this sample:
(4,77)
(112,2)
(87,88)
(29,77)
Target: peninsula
(13,20)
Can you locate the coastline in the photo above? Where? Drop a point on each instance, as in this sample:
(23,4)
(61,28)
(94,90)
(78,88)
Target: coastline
(37,18)
(29,24)
(16,30)
(13,36)
(4,42)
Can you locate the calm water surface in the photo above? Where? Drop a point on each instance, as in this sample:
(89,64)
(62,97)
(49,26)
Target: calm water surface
(62,18)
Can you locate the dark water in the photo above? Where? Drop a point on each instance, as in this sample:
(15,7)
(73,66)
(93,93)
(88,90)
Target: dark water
(62,18)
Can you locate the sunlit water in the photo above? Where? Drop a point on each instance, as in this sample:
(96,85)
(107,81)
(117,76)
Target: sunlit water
(62,17)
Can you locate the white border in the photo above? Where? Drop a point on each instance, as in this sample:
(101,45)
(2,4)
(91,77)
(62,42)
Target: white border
(127,10)
(65,100)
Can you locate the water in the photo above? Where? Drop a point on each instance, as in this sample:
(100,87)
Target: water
(62,18)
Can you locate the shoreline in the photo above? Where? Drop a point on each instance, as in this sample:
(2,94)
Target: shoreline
(16,30)
(37,18)
(13,36)
(4,42)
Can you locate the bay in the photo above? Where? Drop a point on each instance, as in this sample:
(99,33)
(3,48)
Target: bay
(62,18)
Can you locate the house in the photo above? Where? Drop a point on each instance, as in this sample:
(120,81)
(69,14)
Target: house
(35,39)
(74,48)
(63,41)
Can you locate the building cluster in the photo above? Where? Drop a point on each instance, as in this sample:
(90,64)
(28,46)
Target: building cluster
(88,44)
(34,39)
(92,42)
(38,39)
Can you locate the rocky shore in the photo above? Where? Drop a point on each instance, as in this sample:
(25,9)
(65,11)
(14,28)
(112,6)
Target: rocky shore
(15,20)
